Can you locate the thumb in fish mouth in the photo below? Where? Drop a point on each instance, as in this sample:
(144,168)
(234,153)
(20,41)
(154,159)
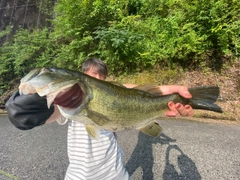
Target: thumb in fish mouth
(70,97)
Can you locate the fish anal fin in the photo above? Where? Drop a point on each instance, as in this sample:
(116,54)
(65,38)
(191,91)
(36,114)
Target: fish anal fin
(92,131)
(152,129)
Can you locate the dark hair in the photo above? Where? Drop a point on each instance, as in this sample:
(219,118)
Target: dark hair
(97,64)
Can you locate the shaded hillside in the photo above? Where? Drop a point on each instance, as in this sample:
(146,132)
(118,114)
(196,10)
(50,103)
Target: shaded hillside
(19,13)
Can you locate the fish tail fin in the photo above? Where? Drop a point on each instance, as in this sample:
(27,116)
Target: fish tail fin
(204,98)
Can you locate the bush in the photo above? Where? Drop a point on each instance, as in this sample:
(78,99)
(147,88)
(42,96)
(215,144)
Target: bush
(24,52)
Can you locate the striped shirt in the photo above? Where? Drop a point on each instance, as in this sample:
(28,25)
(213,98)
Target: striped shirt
(92,159)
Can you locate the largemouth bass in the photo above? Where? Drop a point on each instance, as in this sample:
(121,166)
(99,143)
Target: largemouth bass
(112,107)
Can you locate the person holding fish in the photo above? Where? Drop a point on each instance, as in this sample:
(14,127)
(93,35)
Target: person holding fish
(93,150)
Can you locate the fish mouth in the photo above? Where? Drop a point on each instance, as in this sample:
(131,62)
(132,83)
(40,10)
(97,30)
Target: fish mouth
(73,100)
(80,100)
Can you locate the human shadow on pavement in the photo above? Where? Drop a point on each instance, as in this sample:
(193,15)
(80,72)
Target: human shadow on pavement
(187,168)
(142,156)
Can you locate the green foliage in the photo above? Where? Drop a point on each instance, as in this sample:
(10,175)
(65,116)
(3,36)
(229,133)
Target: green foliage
(45,6)
(129,35)
(5,32)
(135,35)
(189,30)
(119,47)
(27,50)
(24,52)
(219,21)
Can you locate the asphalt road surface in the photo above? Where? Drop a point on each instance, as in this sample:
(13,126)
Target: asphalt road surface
(185,150)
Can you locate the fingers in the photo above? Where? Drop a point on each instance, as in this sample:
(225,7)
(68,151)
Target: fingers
(184,110)
(170,114)
(181,109)
(189,110)
(172,110)
(178,109)
(183,91)
(72,98)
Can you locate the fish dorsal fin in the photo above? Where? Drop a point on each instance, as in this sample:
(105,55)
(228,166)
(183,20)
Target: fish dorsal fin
(92,131)
(152,129)
(150,88)
(116,83)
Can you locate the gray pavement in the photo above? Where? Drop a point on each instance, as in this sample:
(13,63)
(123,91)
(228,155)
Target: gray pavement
(185,150)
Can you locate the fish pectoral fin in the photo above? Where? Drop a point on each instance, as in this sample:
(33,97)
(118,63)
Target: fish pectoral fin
(97,118)
(92,131)
(152,129)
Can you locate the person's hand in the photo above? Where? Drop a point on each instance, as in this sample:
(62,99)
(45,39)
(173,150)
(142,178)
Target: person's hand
(70,98)
(178,109)
(28,111)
